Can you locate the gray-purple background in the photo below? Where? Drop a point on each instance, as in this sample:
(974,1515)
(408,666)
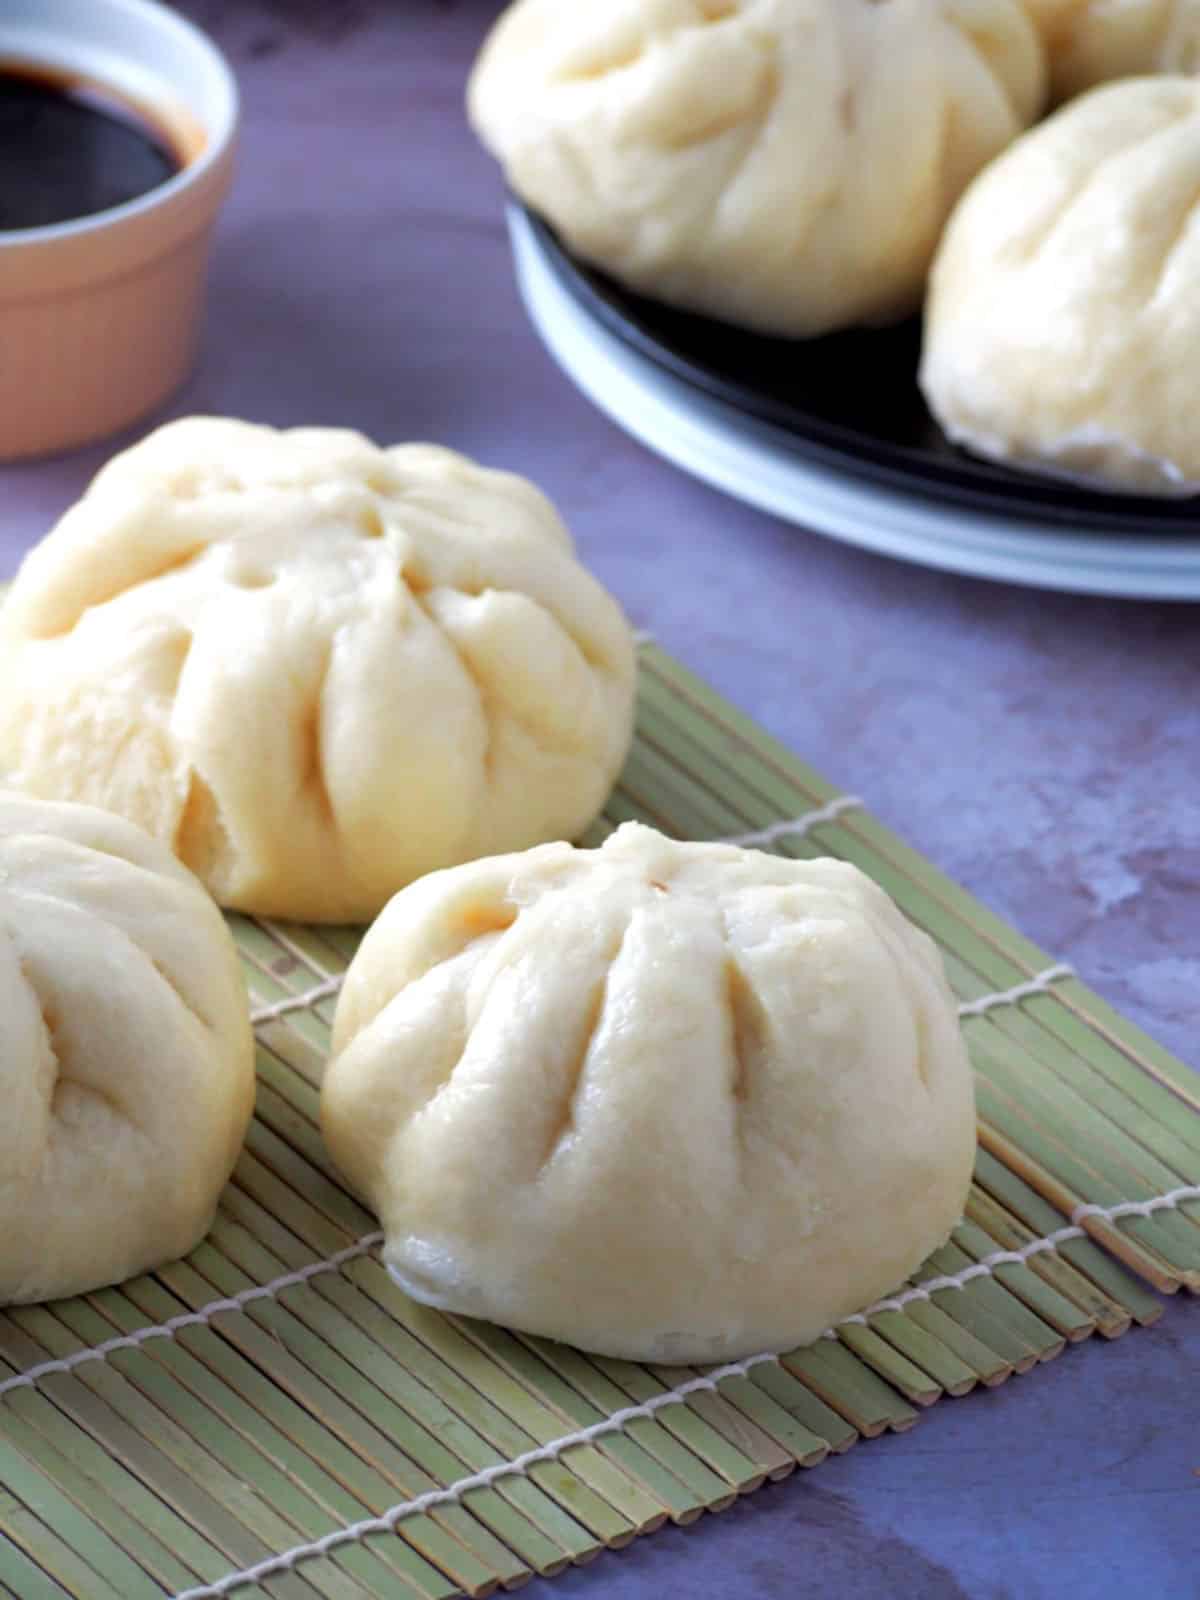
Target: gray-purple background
(1044,751)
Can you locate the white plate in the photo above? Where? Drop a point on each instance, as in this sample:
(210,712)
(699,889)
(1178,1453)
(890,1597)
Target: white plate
(752,461)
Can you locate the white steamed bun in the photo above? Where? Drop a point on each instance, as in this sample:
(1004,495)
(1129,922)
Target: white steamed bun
(1090,42)
(786,165)
(672,1102)
(315,668)
(126,1057)
(1063,325)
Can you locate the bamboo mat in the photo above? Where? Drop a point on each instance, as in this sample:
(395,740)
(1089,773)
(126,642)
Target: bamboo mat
(273,1417)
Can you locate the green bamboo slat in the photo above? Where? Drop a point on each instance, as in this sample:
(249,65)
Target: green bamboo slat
(299,1041)
(978,1316)
(1039,1340)
(248,1391)
(1042,1298)
(304,944)
(19,1576)
(257,1340)
(213,1386)
(152,1448)
(309,1224)
(1066,1119)
(1042,1220)
(1096,1310)
(1131,1043)
(1126,1250)
(708,1490)
(838,1378)
(925,1352)
(99,1559)
(97,1495)
(630,1448)
(823,1429)
(895,1369)
(172,1549)
(636,1384)
(342,941)
(280,1122)
(917,1338)
(1044,1030)
(768,1432)
(329,948)
(41,1545)
(671,803)
(1058,1171)
(716,1408)
(286,1154)
(437,1438)
(448,1536)
(254,939)
(303,1517)
(989,1368)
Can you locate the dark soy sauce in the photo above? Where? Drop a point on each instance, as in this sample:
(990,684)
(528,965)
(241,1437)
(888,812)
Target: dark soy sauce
(70,148)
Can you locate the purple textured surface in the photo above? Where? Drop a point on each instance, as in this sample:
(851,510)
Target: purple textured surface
(1041,749)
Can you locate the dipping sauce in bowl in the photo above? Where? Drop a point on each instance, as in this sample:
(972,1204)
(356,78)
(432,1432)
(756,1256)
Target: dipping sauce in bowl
(70,147)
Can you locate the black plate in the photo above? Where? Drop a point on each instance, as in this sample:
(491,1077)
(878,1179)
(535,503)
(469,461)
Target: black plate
(849,401)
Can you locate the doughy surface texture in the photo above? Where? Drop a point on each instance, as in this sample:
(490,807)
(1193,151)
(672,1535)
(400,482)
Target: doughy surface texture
(126,1056)
(668,1101)
(1063,326)
(785,165)
(314,668)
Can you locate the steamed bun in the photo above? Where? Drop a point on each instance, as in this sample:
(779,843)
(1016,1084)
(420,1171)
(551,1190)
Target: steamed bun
(316,669)
(1090,42)
(126,1057)
(672,1102)
(1063,325)
(786,165)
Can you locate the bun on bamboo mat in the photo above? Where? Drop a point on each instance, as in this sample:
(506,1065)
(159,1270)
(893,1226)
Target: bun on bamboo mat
(667,1101)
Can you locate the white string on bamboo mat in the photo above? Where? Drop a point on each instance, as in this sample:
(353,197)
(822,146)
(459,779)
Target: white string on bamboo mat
(797,827)
(987,1265)
(1041,983)
(519,1465)
(193,1319)
(298,1002)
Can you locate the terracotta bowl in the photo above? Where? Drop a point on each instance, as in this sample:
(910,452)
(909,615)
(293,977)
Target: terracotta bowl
(99,316)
